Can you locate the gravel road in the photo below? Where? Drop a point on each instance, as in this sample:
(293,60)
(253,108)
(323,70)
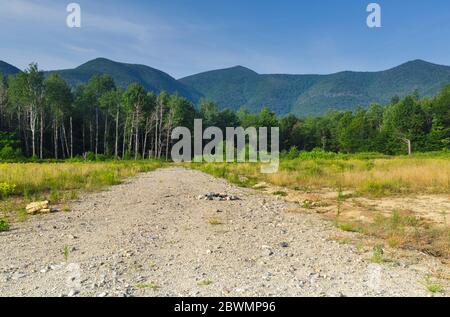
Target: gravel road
(151,236)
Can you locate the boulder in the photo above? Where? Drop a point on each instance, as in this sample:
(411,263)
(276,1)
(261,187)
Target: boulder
(38,207)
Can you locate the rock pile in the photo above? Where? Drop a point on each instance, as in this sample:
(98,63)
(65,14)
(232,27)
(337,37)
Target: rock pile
(217,196)
(39,207)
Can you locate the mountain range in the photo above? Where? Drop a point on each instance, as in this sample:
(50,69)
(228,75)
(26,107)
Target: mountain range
(299,94)
(7,69)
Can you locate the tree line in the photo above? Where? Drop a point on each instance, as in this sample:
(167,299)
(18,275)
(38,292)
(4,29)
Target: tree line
(43,117)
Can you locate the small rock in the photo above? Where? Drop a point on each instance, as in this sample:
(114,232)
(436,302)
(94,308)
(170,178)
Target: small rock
(56,267)
(104,294)
(18,275)
(261,185)
(73,293)
(284,245)
(267,252)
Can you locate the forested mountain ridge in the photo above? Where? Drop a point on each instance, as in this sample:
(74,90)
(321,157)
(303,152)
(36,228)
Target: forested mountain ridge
(7,69)
(315,94)
(124,74)
(301,95)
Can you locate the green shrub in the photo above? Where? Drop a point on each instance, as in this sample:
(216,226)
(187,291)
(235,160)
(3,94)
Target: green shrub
(292,154)
(378,254)
(4,225)
(6,190)
(101,158)
(90,156)
(8,153)
(381,188)
(349,227)
(280,193)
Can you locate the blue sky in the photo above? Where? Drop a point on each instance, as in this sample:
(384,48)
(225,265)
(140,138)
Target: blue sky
(183,37)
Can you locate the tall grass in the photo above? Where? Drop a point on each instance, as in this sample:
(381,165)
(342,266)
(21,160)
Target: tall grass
(376,177)
(34,178)
(24,182)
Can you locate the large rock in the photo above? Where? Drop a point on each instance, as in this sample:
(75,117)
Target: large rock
(38,207)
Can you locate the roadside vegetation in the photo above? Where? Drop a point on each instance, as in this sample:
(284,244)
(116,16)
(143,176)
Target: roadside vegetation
(402,229)
(365,174)
(21,183)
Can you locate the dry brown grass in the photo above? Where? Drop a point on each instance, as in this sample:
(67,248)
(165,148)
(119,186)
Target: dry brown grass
(404,230)
(214,221)
(378,177)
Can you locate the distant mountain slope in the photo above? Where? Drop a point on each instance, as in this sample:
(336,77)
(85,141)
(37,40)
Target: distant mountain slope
(299,94)
(315,94)
(7,69)
(125,74)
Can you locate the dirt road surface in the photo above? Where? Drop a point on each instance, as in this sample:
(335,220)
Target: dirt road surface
(151,236)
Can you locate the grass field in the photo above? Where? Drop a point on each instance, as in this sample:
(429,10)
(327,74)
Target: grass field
(378,177)
(21,183)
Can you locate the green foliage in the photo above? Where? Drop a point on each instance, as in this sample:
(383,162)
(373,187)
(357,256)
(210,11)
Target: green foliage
(348,227)
(434,287)
(66,253)
(4,225)
(9,146)
(382,188)
(8,153)
(150,285)
(6,190)
(293,153)
(378,254)
(90,156)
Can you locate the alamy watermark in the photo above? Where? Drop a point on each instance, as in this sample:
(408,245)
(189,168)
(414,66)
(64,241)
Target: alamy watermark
(374,18)
(74,18)
(231,147)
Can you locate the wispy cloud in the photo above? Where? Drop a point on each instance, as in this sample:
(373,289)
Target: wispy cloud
(81,50)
